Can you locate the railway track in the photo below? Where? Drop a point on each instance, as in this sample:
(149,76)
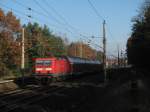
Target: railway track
(18,91)
(59,96)
(24,98)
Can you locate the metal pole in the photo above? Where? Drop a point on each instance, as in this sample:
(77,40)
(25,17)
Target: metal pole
(22,56)
(104,52)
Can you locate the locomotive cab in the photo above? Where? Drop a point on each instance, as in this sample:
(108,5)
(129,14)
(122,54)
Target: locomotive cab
(51,67)
(43,66)
(48,69)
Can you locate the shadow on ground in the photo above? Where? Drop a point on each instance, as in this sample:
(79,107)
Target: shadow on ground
(125,92)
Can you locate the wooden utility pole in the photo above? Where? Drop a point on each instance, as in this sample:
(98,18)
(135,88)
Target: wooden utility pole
(22,56)
(118,55)
(104,52)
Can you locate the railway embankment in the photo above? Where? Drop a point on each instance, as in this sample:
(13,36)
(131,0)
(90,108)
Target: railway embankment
(127,90)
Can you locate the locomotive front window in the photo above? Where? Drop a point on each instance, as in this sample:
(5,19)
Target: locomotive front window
(43,62)
(47,63)
(39,62)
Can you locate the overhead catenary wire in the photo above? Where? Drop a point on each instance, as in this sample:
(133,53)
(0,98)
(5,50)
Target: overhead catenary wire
(29,8)
(30,17)
(54,18)
(70,26)
(47,12)
(55,11)
(71,29)
(101,17)
(63,19)
(26,16)
(95,10)
(19,12)
(83,36)
(58,14)
(37,12)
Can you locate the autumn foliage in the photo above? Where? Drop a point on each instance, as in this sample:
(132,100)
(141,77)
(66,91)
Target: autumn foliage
(9,47)
(79,49)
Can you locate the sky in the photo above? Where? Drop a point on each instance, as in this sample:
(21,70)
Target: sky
(76,20)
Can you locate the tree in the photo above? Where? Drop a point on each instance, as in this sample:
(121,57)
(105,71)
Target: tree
(41,42)
(9,44)
(78,48)
(138,45)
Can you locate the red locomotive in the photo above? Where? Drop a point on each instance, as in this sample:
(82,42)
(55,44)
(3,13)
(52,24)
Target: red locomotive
(61,67)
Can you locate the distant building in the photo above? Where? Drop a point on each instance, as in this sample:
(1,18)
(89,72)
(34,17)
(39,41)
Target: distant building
(111,62)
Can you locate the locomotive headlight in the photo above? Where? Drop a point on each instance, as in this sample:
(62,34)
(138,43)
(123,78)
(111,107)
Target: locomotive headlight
(48,69)
(39,69)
